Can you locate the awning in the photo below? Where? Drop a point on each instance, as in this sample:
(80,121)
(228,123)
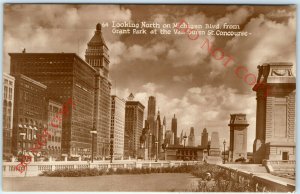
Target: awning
(20,126)
(35,128)
(25,126)
(30,127)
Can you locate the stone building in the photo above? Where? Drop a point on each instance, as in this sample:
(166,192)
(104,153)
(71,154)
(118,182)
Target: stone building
(8,107)
(191,137)
(152,126)
(174,129)
(66,76)
(134,115)
(53,147)
(97,56)
(238,137)
(204,138)
(117,125)
(30,114)
(275,113)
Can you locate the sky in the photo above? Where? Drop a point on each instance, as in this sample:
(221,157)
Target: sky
(185,79)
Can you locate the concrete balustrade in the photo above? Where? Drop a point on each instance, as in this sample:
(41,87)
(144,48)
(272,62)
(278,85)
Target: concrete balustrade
(36,168)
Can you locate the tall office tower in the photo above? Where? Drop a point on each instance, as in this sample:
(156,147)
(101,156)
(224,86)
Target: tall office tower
(180,138)
(238,137)
(151,122)
(164,127)
(97,56)
(191,138)
(117,125)
(67,77)
(8,107)
(159,133)
(169,139)
(134,115)
(30,114)
(275,113)
(54,129)
(204,139)
(174,129)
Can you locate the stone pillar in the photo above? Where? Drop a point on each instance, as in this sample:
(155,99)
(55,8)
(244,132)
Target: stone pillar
(275,114)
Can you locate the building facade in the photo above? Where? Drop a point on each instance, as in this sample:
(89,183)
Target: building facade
(117,125)
(8,107)
(191,137)
(174,129)
(152,126)
(54,129)
(97,56)
(275,113)
(238,137)
(66,76)
(30,114)
(134,115)
(204,138)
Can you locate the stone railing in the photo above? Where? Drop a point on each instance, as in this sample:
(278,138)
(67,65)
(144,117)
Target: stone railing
(36,168)
(279,166)
(262,182)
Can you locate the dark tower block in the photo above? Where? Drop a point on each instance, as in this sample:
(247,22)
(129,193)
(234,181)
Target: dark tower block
(238,137)
(204,138)
(151,123)
(275,113)
(191,138)
(174,129)
(97,56)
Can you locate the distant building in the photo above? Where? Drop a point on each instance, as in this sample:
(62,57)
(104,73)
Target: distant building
(191,137)
(174,129)
(117,125)
(134,114)
(152,126)
(30,114)
(238,137)
(54,129)
(204,138)
(159,133)
(8,107)
(169,138)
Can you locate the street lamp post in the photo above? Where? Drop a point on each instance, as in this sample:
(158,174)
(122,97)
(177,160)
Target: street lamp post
(224,143)
(93,132)
(156,144)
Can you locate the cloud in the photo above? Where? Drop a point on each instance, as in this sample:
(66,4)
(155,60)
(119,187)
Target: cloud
(55,28)
(183,78)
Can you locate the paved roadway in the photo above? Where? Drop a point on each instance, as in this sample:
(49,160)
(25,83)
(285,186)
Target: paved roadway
(146,182)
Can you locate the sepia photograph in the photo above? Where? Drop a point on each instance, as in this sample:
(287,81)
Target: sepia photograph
(149,98)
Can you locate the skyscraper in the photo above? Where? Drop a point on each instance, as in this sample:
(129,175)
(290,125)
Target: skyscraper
(134,115)
(191,138)
(117,125)
(204,139)
(97,56)
(151,122)
(8,107)
(66,76)
(174,129)
(159,133)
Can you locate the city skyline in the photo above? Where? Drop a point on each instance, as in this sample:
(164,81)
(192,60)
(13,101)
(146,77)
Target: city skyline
(182,77)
